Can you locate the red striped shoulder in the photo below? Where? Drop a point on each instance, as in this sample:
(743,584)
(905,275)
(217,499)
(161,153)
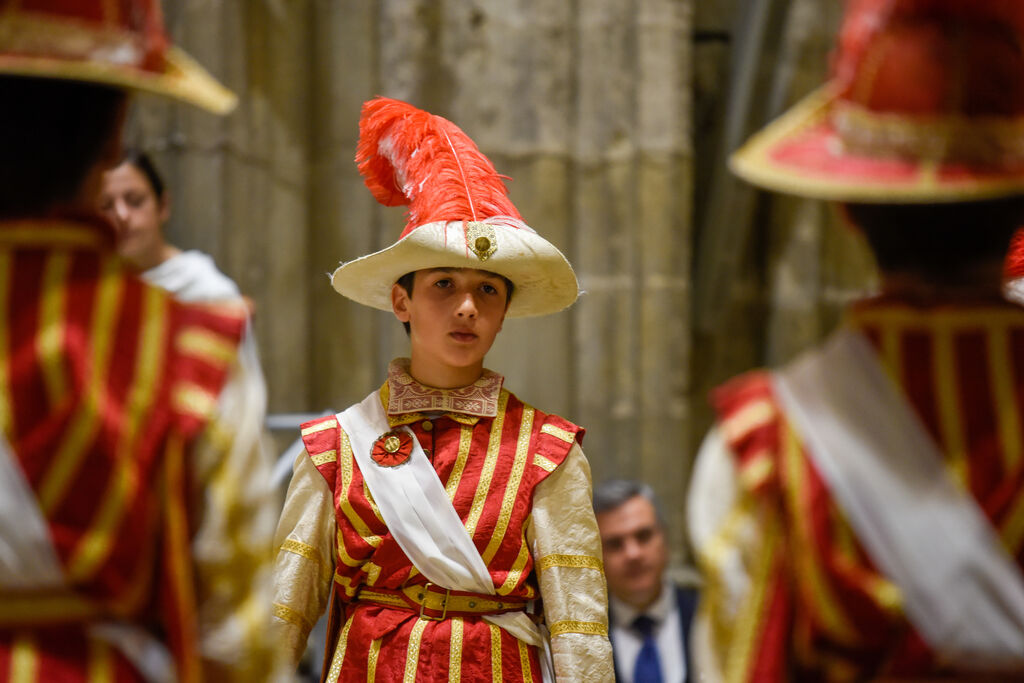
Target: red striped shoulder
(204,345)
(749,421)
(553,438)
(321,435)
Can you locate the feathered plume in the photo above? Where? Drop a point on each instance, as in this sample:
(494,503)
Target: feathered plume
(866,17)
(1014,266)
(409,156)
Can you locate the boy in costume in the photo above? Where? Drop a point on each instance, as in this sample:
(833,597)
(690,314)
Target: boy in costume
(134,534)
(860,513)
(449,522)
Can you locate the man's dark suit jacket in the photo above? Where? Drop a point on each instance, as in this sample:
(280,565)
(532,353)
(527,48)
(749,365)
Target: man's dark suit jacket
(686,603)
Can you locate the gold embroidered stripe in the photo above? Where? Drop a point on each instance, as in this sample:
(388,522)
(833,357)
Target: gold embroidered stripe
(455,652)
(948,404)
(24,660)
(587,628)
(101,664)
(343,555)
(558,433)
(346,462)
(304,550)
(372,573)
(514,574)
(85,423)
(346,584)
(373,504)
(484,485)
(747,419)
(210,346)
(324,458)
(570,561)
(371,661)
(524,661)
(1004,398)
(194,400)
(285,613)
(756,470)
(544,463)
(49,341)
(339,652)
(511,485)
(465,440)
(320,427)
(496,676)
(412,656)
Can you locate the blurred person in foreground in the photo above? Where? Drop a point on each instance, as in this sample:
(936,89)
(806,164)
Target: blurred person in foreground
(859,513)
(649,615)
(134,535)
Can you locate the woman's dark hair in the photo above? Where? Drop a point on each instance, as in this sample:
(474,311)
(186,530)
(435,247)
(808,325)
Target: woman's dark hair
(143,162)
(52,133)
(938,239)
(406,283)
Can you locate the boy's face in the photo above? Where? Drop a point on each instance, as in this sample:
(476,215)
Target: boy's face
(454,315)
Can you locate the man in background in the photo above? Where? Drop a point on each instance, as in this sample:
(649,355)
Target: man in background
(649,615)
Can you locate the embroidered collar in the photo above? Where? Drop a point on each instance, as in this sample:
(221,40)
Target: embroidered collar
(406,396)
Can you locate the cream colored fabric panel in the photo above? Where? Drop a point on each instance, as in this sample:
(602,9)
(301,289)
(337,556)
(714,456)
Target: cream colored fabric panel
(575,598)
(304,566)
(231,548)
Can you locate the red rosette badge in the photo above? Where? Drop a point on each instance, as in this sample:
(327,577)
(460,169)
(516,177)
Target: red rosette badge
(392,449)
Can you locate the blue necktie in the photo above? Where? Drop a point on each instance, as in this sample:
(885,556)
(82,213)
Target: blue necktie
(647,668)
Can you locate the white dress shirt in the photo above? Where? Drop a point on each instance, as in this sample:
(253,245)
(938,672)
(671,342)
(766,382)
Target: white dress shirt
(668,634)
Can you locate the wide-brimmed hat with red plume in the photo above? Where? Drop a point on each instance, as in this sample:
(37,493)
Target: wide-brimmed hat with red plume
(459,215)
(120,43)
(926,104)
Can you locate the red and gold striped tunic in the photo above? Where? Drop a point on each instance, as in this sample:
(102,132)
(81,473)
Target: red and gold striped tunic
(491,467)
(105,385)
(791,593)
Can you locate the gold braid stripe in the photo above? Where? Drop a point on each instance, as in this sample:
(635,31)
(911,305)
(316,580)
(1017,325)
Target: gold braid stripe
(210,346)
(587,628)
(544,463)
(320,427)
(306,551)
(292,617)
(558,433)
(570,561)
(324,458)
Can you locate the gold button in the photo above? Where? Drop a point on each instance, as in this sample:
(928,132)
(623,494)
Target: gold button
(501,605)
(482,244)
(472,604)
(419,596)
(392,444)
(427,425)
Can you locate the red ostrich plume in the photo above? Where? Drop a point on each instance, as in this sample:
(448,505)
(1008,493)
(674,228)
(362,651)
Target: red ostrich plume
(409,156)
(1014,267)
(865,18)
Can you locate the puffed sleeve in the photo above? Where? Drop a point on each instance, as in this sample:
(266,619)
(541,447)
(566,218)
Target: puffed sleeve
(234,514)
(305,560)
(566,548)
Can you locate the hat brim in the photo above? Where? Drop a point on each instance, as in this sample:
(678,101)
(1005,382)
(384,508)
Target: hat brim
(543,279)
(801,153)
(182,77)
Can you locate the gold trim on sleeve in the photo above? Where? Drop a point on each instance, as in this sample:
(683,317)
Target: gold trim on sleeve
(570,561)
(287,614)
(587,628)
(307,551)
(558,433)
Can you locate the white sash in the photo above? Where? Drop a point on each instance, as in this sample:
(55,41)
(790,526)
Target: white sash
(961,589)
(416,508)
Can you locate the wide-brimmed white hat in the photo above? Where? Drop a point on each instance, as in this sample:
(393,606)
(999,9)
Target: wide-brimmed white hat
(119,44)
(460,215)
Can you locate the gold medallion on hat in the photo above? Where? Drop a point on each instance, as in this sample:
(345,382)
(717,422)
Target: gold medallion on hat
(481,239)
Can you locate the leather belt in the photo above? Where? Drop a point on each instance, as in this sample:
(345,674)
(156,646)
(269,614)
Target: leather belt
(436,603)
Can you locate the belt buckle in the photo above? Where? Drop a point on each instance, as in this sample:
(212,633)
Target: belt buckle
(426,592)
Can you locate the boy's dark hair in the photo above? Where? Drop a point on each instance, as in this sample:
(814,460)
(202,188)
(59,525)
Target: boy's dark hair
(51,133)
(938,240)
(145,165)
(406,283)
